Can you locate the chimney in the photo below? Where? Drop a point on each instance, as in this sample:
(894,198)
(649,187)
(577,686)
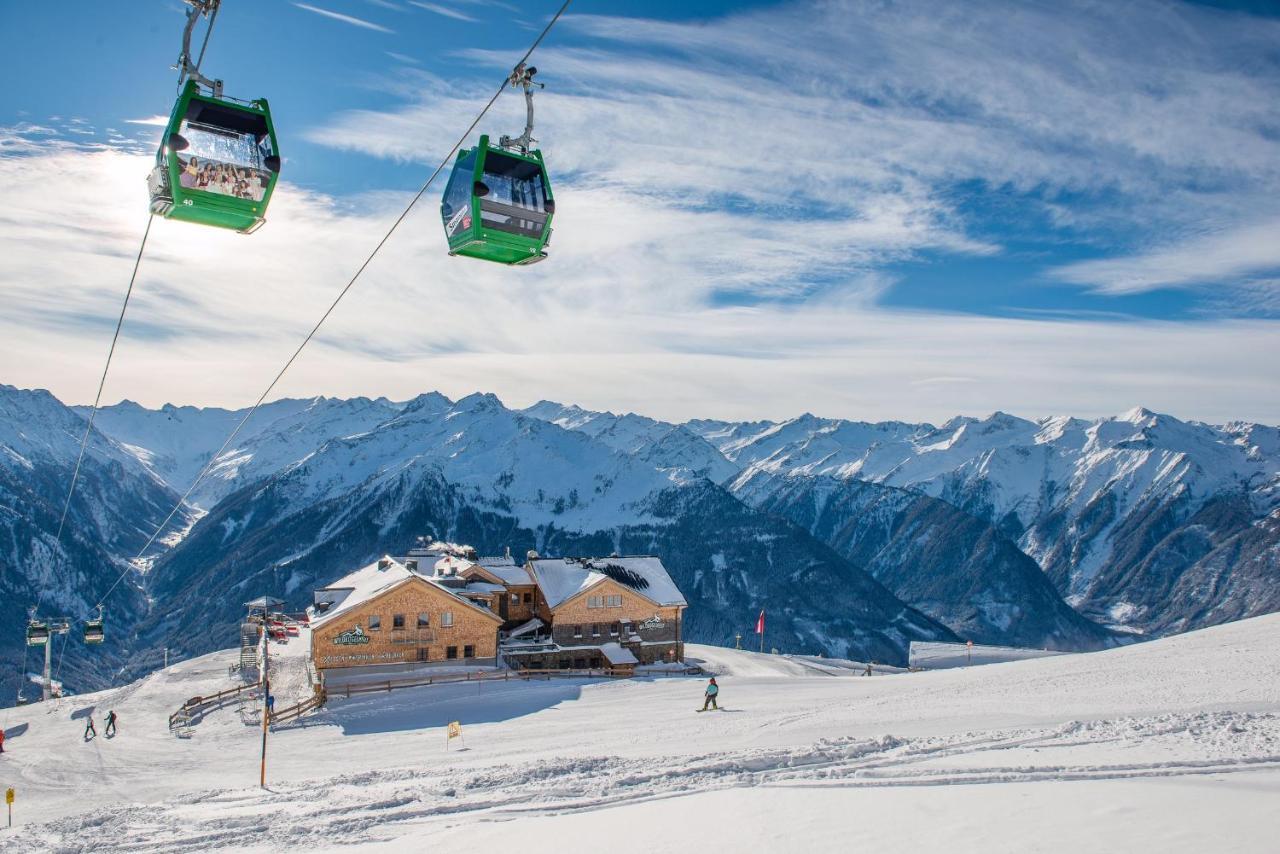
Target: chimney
(507,552)
(384,563)
(411,565)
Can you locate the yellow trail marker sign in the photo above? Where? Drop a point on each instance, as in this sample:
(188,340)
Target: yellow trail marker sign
(454,731)
(8,796)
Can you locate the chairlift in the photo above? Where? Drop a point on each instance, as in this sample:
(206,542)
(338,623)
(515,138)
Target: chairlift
(218,160)
(37,632)
(498,205)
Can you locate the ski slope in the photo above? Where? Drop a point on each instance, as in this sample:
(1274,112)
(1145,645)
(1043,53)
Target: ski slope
(1172,745)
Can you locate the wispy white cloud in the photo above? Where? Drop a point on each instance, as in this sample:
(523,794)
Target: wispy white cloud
(346,19)
(1108,122)
(400,57)
(221,312)
(1198,260)
(443,10)
(730,194)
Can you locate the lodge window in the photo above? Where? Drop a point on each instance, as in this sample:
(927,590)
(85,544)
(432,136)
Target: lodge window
(446,620)
(424,620)
(397,623)
(613,630)
(423,652)
(614,601)
(577,631)
(375,623)
(627,628)
(565,663)
(451,652)
(595,662)
(528,598)
(595,630)
(579,663)
(468,651)
(515,598)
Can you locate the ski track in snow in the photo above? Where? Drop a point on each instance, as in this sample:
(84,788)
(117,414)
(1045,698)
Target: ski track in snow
(368,806)
(796,752)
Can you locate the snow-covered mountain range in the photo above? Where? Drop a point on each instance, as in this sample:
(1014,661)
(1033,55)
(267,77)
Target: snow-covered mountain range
(856,537)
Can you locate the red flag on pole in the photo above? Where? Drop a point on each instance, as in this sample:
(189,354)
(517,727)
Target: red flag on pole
(760,624)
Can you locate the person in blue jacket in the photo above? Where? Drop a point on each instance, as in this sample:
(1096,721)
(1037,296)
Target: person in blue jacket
(712,691)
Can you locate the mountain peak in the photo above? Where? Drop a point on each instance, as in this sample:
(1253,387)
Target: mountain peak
(478,402)
(1136,415)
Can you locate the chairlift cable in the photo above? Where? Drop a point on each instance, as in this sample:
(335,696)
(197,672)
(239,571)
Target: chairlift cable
(341,294)
(61,655)
(88,427)
(22,674)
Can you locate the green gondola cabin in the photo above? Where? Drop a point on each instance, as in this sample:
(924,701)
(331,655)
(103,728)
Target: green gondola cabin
(218,162)
(498,205)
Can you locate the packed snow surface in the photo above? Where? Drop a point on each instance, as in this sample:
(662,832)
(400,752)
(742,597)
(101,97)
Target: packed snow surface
(1172,745)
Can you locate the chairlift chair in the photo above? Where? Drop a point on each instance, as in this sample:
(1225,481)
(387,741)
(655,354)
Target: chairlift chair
(37,633)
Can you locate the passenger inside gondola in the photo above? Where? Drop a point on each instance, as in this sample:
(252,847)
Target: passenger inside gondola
(224,151)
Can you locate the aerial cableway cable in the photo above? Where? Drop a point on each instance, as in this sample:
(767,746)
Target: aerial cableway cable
(506,81)
(88,427)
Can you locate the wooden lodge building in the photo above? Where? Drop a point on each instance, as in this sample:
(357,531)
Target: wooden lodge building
(443,605)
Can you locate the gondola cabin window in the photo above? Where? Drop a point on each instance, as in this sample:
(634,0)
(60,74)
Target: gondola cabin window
(224,151)
(456,207)
(512,185)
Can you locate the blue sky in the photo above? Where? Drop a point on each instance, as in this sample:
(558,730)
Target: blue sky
(886,209)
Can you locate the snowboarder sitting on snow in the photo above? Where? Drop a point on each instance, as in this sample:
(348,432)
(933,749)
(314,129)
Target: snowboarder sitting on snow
(110,731)
(712,690)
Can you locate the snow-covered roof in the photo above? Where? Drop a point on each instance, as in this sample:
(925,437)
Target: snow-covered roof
(508,573)
(482,587)
(525,628)
(617,655)
(377,578)
(560,579)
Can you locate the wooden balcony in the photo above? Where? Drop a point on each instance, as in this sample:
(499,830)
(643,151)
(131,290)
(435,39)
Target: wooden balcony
(412,637)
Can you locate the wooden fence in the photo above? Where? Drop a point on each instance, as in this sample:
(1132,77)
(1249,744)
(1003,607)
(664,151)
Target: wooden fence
(196,707)
(297,710)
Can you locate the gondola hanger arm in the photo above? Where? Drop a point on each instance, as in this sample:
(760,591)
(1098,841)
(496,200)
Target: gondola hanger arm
(522,77)
(186,68)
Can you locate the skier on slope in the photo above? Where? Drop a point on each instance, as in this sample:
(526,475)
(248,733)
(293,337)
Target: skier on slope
(89,728)
(1,740)
(110,731)
(713,691)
